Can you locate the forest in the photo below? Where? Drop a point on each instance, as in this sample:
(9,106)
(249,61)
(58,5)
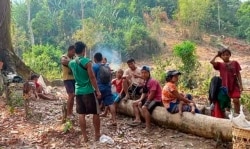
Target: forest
(42,30)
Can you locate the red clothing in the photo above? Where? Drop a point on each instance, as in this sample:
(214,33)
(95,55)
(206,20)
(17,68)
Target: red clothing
(228,73)
(118,85)
(154,85)
(37,84)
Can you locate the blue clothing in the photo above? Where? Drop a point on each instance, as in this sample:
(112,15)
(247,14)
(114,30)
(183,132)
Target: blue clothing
(101,86)
(107,97)
(105,89)
(173,107)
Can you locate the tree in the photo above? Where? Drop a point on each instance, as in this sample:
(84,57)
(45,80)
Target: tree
(45,60)
(244,21)
(191,13)
(7,55)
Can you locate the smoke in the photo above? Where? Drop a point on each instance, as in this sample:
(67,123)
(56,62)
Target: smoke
(113,56)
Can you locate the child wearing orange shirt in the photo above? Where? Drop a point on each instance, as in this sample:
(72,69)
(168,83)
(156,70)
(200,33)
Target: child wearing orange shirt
(172,99)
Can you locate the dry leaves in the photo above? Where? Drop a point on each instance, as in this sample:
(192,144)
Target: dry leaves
(44,130)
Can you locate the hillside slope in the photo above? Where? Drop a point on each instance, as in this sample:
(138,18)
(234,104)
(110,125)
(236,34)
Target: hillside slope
(170,35)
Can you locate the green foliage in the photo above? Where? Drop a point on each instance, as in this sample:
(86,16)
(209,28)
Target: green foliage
(44,59)
(186,52)
(203,77)
(191,14)
(159,72)
(67,126)
(244,21)
(245,100)
(135,34)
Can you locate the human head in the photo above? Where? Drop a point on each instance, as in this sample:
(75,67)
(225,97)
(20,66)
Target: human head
(80,48)
(131,63)
(172,76)
(71,51)
(145,72)
(104,60)
(225,54)
(98,57)
(119,73)
(34,77)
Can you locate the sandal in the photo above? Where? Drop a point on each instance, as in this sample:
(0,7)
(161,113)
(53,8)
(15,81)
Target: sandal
(134,123)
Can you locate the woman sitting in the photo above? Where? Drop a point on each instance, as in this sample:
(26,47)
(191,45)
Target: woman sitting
(172,99)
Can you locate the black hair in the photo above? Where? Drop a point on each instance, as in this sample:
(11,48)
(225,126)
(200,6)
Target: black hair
(225,50)
(34,76)
(98,57)
(80,47)
(169,78)
(71,47)
(131,60)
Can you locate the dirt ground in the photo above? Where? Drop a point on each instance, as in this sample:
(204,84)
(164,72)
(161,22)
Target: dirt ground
(45,130)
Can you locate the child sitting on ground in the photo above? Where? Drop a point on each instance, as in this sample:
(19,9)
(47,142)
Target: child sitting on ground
(39,89)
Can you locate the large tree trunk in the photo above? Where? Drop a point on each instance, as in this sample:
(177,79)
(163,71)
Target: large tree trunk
(198,124)
(11,61)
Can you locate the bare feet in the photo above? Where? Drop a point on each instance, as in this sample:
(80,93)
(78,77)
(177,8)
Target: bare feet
(192,109)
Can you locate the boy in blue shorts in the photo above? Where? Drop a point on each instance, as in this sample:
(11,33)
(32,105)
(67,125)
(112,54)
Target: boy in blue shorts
(103,75)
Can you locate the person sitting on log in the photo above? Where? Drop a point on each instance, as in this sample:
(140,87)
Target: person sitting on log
(39,89)
(132,80)
(149,100)
(173,100)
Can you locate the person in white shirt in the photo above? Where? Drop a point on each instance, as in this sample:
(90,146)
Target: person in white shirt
(132,80)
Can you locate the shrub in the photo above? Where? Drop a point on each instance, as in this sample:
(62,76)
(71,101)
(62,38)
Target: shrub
(45,60)
(186,52)
(245,100)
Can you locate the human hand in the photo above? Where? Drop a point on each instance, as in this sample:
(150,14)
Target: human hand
(98,95)
(136,76)
(241,89)
(218,54)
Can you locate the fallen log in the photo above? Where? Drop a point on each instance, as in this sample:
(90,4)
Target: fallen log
(198,124)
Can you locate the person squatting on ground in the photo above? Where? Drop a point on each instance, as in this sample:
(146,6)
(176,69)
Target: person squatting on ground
(150,98)
(39,89)
(68,79)
(132,81)
(103,76)
(86,90)
(230,75)
(173,100)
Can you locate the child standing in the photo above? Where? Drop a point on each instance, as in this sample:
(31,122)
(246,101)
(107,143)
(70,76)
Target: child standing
(230,74)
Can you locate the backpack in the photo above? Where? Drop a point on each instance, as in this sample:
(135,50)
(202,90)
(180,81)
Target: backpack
(214,88)
(104,74)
